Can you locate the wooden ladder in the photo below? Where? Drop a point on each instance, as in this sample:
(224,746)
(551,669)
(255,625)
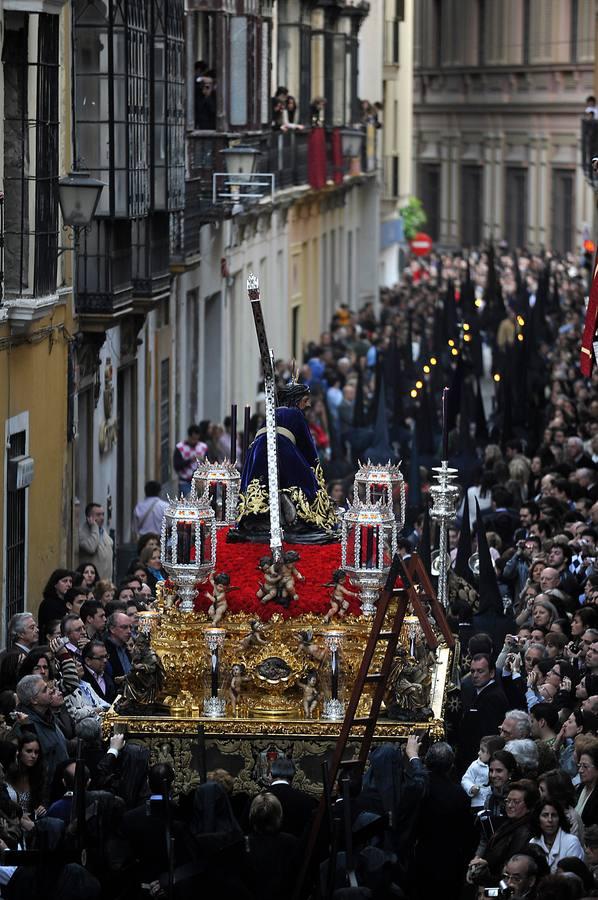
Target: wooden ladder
(419,587)
(415,583)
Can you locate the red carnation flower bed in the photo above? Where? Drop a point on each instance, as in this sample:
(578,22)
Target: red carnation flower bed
(240,561)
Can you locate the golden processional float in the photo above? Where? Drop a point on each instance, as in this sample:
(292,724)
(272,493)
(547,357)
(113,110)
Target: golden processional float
(251,652)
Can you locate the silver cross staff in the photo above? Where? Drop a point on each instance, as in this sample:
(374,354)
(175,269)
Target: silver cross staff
(267,357)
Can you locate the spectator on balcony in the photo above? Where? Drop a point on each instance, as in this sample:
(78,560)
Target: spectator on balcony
(291,109)
(205,101)
(200,70)
(280,96)
(289,113)
(279,102)
(278,118)
(368,113)
(316,110)
(591,109)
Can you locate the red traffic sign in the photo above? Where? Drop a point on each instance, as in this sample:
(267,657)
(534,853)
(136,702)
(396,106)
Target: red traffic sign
(421,244)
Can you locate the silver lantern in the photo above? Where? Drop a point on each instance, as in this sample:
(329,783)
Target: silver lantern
(188,544)
(385,483)
(369,542)
(221,482)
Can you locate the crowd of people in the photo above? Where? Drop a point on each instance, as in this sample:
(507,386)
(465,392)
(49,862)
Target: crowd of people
(285,112)
(511,798)
(523,727)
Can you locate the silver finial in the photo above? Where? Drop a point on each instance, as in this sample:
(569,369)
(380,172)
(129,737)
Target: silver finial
(253,286)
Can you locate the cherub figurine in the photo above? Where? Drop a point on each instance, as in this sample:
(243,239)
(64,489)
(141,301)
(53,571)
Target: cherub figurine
(310,694)
(289,574)
(410,683)
(255,636)
(309,646)
(237,678)
(272,578)
(338,600)
(218,606)
(146,678)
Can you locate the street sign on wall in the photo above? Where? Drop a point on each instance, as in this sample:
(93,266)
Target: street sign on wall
(421,244)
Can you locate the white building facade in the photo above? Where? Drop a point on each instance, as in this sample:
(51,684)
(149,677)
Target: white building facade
(500,89)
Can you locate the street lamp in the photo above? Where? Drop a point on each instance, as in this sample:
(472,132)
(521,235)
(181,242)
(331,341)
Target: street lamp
(240,182)
(240,163)
(78,196)
(351,142)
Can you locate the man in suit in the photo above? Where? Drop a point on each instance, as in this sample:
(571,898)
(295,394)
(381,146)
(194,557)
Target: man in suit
(484,708)
(145,825)
(297,806)
(94,658)
(119,632)
(23,634)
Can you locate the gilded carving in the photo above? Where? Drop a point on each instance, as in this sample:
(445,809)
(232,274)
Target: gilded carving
(269,714)
(320,512)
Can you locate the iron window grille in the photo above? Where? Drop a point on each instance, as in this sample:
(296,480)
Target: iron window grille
(31,159)
(104,267)
(112,101)
(168,107)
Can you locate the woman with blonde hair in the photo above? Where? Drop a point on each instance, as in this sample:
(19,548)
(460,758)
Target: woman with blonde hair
(519,472)
(151,558)
(492,455)
(104,592)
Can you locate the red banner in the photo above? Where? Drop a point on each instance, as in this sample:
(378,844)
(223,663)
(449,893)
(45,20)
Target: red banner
(316,159)
(586,356)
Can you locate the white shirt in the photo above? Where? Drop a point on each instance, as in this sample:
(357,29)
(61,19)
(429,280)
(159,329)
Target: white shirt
(93,698)
(484,686)
(148,515)
(564,845)
(477,774)
(6,873)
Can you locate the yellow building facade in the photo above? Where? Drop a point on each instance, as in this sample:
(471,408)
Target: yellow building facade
(35,521)
(37,377)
